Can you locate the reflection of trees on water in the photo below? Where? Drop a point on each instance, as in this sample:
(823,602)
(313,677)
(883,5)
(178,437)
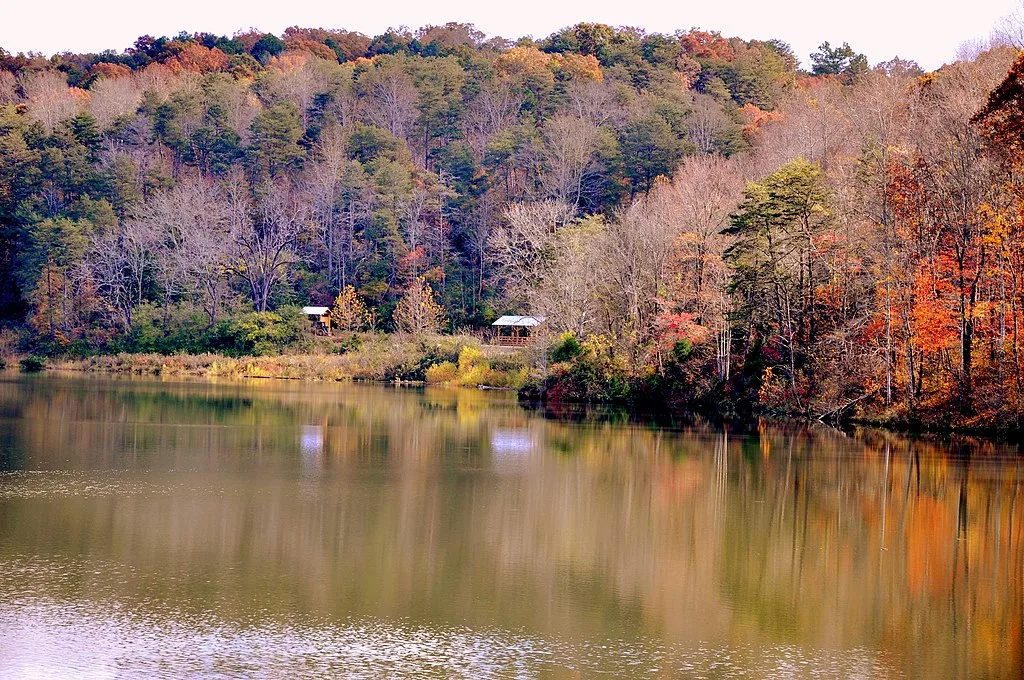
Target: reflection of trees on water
(455,505)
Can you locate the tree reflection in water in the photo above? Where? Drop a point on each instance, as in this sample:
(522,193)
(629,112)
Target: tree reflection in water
(273,507)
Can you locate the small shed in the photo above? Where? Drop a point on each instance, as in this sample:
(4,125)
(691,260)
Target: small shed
(516,331)
(319,319)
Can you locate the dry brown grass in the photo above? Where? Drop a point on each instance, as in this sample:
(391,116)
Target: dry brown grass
(379,357)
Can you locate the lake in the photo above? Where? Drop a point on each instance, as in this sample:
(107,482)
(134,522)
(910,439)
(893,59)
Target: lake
(271,528)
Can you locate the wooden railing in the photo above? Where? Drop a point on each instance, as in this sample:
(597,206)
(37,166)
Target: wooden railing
(512,340)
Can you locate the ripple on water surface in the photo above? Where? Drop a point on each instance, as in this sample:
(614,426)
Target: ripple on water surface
(37,639)
(67,484)
(46,637)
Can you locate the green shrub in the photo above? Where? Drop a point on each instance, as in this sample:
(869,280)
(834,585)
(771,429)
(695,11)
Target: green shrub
(350,344)
(33,364)
(160,329)
(682,349)
(594,374)
(260,333)
(566,347)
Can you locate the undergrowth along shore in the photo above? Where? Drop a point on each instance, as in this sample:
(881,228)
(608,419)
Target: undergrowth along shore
(554,377)
(458,360)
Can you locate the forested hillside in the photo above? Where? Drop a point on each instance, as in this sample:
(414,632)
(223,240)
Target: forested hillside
(709,220)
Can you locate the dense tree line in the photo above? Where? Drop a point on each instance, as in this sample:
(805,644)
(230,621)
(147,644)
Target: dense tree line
(197,176)
(704,215)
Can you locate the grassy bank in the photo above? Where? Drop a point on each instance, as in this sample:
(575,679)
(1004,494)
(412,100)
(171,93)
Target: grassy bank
(459,360)
(576,375)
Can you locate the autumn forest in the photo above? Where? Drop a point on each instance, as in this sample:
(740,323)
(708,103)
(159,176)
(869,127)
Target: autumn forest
(702,219)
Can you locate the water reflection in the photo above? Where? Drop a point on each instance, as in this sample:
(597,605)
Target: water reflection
(248,528)
(122,644)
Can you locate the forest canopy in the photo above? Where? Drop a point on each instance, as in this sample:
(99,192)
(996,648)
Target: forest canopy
(706,216)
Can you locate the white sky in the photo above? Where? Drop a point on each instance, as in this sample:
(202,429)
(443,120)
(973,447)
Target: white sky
(924,30)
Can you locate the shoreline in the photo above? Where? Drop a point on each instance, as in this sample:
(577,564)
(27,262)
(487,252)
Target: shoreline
(397,365)
(408,361)
(302,368)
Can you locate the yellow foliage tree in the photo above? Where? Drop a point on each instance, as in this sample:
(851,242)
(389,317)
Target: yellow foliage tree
(418,312)
(578,66)
(349,313)
(526,63)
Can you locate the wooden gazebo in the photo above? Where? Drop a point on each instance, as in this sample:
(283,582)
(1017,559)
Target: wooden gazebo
(319,319)
(516,331)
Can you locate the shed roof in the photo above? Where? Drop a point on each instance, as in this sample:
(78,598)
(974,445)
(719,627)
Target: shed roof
(315,311)
(519,321)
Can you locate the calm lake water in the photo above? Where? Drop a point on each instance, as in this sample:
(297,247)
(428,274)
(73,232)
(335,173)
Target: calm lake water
(276,529)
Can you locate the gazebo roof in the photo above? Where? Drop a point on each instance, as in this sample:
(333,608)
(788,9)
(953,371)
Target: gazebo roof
(315,311)
(519,321)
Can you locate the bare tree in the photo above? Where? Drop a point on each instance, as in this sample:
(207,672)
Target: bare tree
(880,119)
(114,97)
(119,262)
(8,88)
(636,262)
(549,266)
(191,224)
(599,102)
(494,109)
(336,192)
(106,267)
(344,103)
(704,192)
(522,247)
(296,79)
(705,123)
(569,293)
(815,127)
(702,195)
(264,237)
(158,78)
(1009,30)
(394,96)
(482,222)
(236,100)
(569,146)
(50,100)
